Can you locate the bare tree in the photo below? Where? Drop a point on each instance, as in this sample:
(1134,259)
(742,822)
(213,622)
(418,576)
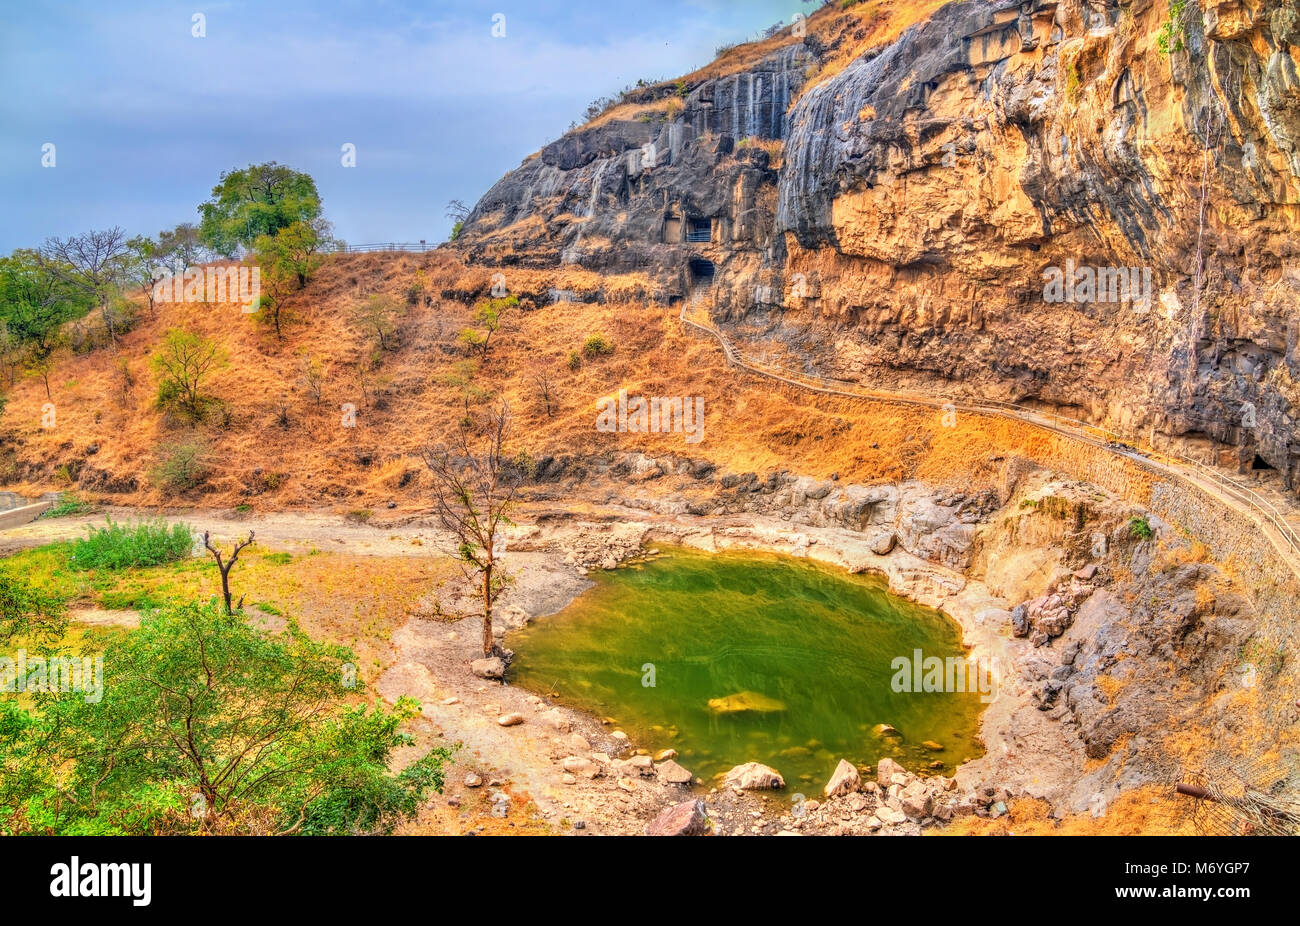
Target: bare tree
(312,373)
(92,262)
(545,391)
(474,489)
(224,566)
(457,211)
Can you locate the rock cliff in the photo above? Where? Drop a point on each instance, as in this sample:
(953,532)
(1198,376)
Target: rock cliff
(895,210)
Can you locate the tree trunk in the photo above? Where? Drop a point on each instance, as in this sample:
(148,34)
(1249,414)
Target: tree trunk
(225,586)
(488,643)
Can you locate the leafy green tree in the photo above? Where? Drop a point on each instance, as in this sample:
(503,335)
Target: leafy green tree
(181,247)
(261,200)
(207,724)
(35,304)
(288,260)
(144,266)
(487,319)
(28,609)
(184,363)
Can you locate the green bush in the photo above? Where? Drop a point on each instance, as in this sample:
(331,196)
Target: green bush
(118,546)
(1140,528)
(180,466)
(26,609)
(597,346)
(67,506)
(575,360)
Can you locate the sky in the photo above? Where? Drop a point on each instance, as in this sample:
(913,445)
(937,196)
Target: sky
(144,115)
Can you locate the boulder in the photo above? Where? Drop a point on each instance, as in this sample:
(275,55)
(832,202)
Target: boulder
(845,780)
(491,667)
(671,773)
(886,770)
(890,817)
(917,804)
(883,543)
(754,776)
(685,819)
(510,720)
(556,720)
(578,765)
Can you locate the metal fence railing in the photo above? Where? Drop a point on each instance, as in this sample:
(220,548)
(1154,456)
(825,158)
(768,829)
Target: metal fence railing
(1282,535)
(417,247)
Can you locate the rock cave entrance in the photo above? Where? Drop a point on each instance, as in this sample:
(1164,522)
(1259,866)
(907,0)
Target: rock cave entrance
(1259,463)
(701,272)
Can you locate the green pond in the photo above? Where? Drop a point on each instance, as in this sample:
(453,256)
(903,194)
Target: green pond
(743,656)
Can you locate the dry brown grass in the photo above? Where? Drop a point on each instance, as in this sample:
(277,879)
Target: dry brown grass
(411,399)
(1146,811)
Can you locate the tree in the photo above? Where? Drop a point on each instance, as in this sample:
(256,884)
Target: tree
(379,314)
(474,490)
(183,364)
(35,304)
(545,391)
(207,724)
(181,247)
(462,377)
(287,261)
(145,265)
(312,373)
(93,263)
(262,200)
(224,566)
(459,213)
(28,610)
(487,321)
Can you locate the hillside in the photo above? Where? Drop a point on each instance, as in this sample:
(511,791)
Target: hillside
(888,204)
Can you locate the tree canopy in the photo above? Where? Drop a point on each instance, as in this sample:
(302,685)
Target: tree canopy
(260,200)
(207,724)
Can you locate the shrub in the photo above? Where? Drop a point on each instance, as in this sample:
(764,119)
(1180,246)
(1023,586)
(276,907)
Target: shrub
(67,506)
(180,466)
(183,364)
(26,608)
(118,546)
(1140,527)
(575,360)
(597,346)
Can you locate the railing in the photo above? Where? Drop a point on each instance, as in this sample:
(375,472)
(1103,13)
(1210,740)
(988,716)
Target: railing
(418,247)
(1287,542)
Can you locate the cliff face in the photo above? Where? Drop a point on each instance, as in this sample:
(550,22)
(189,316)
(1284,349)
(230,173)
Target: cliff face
(898,220)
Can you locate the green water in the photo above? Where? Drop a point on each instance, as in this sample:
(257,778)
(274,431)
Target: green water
(815,641)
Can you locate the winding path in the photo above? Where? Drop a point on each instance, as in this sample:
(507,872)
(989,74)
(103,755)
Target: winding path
(1227,491)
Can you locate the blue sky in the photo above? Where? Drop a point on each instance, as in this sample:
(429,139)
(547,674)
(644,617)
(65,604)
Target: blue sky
(144,116)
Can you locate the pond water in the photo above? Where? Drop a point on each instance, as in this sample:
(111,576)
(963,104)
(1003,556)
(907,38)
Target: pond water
(743,656)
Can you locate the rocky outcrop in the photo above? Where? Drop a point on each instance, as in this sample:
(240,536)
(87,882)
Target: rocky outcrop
(899,223)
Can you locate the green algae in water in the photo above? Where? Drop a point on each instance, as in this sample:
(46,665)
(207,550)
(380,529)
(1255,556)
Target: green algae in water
(795,656)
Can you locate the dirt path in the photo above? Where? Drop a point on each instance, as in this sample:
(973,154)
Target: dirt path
(1275,517)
